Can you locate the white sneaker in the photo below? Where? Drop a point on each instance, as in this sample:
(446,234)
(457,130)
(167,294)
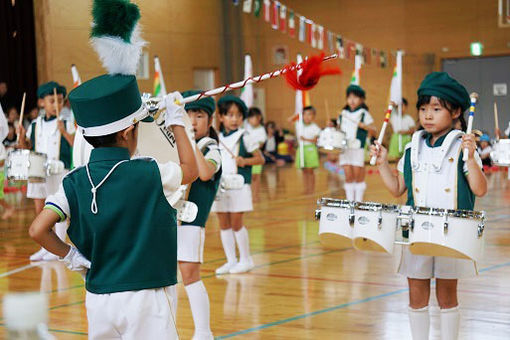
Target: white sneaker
(242,266)
(226,267)
(38,256)
(50,257)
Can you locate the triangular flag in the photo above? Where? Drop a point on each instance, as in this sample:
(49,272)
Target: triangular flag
(76,76)
(383,59)
(396,81)
(247,91)
(292,24)
(159,82)
(302,29)
(247,6)
(358,61)
(276,15)
(309,31)
(283,18)
(267,10)
(340,46)
(257,7)
(331,47)
(320,37)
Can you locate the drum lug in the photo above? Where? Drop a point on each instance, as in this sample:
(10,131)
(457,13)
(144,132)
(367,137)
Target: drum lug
(481,228)
(317,214)
(411,224)
(379,220)
(445,224)
(352,217)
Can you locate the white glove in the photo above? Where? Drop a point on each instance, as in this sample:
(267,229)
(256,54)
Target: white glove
(174,112)
(206,141)
(75,261)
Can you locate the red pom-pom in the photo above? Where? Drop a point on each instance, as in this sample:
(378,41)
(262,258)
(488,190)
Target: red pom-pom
(311,71)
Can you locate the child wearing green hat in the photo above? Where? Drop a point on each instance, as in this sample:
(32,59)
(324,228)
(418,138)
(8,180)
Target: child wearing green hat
(122,226)
(357,124)
(238,154)
(53,137)
(191,236)
(430,162)
(403,128)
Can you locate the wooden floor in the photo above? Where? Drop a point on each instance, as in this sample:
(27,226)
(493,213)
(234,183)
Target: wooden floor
(298,290)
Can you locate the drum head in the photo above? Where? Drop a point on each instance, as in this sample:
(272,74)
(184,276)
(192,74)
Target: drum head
(432,249)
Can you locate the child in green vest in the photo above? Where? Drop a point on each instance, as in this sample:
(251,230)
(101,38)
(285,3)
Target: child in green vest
(191,236)
(357,124)
(307,155)
(238,154)
(430,162)
(53,137)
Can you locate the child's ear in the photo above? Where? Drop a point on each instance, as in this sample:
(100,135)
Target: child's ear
(126,131)
(456,114)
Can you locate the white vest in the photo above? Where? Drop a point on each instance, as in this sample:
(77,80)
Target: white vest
(47,138)
(434,171)
(228,163)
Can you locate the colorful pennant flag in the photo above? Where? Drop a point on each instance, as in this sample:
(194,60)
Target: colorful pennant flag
(340,46)
(247,6)
(313,35)
(159,82)
(309,31)
(257,7)
(320,37)
(383,59)
(358,61)
(367,55)
(331,47)
(267,10)
(292,24)
(302,29)
(283,18)
(396,81)
(247,91)
(276,15)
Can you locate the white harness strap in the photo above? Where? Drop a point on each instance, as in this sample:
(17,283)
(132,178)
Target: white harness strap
(93,205)
(438,156)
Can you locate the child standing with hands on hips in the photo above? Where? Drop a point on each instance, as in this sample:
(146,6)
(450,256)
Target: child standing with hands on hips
(307,155)
(430,162)
(238,154)
(357,124)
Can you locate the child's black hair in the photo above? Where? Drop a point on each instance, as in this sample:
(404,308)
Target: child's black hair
(423,100)
(334,122)
(404,101)
(212,132)
(106,141)
(223,109)
(255,111)
(311,108)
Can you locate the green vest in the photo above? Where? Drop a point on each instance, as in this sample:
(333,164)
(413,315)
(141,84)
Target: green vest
(202,194)
(66,149)
(132,240)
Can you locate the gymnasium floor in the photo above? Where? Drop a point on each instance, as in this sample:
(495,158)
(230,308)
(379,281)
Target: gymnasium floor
(298,290)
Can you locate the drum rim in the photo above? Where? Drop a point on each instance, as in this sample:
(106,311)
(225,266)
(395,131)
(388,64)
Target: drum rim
(27,152)
(460,213)
(375,206)
(334,202)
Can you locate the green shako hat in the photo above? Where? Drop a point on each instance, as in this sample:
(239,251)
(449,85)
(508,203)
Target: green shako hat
(206,104)
(441,85)
(231,98)
(111,102)
(46,89)
(355,89)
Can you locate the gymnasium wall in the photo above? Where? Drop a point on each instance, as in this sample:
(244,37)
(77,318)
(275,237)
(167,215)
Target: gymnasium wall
(214,34)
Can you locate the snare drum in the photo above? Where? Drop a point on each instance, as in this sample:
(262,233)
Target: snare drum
(500,154)
(450,233)
(331,140)
(374,226)
(336,222)
(23,165)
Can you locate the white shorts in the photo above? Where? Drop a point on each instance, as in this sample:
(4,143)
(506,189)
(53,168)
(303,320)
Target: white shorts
(354,157)
(190,243)
(427,267)
(44,189)
(132,315)
(233,200)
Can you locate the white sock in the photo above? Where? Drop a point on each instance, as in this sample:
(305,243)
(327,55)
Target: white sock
(450,323)
(420,323)
(349,191)
(199,303)
(359,190)
(61,230)
(243,243)
(229,244)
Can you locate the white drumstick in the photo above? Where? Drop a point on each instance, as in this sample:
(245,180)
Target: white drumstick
(474,99)
(22,112)
(383,130)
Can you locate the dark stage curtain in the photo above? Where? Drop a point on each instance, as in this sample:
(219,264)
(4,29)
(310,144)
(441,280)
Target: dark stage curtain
(18,66)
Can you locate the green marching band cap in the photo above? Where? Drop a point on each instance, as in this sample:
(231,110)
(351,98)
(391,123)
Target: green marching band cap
(46,89)
(356,90)
(206,104)
(441,85)
(111,102)
(231,98)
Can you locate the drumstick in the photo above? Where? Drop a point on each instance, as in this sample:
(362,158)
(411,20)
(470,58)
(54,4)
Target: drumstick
(21,112)
(474,99)
(496,122)
(228,150)
(55,97)
(383,130)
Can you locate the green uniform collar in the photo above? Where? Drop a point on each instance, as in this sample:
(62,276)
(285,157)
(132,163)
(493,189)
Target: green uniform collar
(46,119)
(109,154)
(231,132)
(438,142)
(355,109)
